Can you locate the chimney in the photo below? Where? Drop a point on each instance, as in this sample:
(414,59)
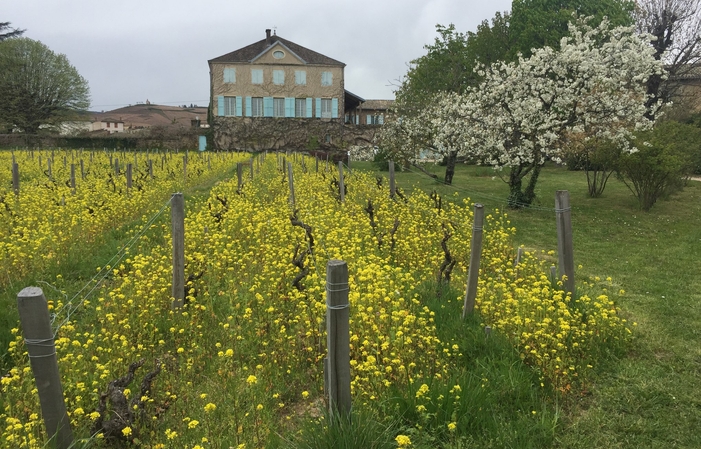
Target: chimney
(267,36)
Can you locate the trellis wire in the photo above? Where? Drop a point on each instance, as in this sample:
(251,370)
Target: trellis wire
(103,273)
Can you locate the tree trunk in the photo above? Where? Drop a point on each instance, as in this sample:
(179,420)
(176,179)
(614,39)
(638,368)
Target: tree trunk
(517,196)
(450,167)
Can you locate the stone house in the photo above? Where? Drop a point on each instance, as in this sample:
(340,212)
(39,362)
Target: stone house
(275,94)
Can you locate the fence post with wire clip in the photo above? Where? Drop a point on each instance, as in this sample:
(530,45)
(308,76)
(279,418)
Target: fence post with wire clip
(565,247)
(39,341)
(475,255)
(337,374)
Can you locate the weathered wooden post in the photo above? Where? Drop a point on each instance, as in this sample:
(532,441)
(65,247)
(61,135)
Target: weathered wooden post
(341,185)
(129,168)
(291,182)
(565,247)
(116,166)
(475,255)
(185,168)
(72,179)
(39,341)
(338,338)
(15,178)
(239,174)
(392,183)
(82,170)
(51,176)
(150,168)
(64,162)
(251,169)
(316,159)
(177,216)
(519,254)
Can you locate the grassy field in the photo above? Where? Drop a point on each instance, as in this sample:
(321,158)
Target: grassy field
(649,398)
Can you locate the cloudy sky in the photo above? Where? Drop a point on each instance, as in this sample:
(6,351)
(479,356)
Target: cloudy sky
(131,51)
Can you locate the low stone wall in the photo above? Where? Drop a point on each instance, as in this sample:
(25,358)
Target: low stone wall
(269,133)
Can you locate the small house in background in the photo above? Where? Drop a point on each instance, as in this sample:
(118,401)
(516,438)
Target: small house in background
(108,124)
(370,112)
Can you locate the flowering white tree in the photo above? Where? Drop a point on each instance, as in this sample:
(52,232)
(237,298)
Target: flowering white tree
(516,118)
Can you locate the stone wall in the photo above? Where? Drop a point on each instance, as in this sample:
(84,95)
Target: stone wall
(269,133)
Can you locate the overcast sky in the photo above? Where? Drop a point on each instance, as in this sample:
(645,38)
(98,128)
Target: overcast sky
(131,51)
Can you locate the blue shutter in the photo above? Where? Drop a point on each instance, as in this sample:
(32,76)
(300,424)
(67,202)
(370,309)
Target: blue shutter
(309,108)
(239,107)
(318,108)
(220,105)
(249,108)
(289,107)
(357,119)
(267,106)
(334,108)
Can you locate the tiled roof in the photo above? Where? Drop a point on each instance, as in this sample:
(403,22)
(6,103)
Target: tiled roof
(250,52)
(377,104)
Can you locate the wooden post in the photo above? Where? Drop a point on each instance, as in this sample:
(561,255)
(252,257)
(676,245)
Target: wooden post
(341,185)
(316,159)
(64,162)
(291,182)
(338,338)
(239,174)
(209,162)
(392,184)
(185,168)
(251,169)
(39,341)
(150,168)
(51,176)
(565,247)
(15,178)
(72,179)
(82,170)
(475,255)
(116,166)
(519,254)
(177,216)
(129,177)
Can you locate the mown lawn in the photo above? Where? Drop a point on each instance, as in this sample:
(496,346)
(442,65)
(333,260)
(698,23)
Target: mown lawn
(650,398)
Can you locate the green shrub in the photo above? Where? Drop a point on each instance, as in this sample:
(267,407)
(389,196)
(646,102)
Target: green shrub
(664,158)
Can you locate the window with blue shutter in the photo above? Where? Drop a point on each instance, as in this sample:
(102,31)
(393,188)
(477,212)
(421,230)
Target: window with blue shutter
(301,77)
(318,108)
(229,106)
(257,106)
(267,106)
(309,108)
(229,75)
(256,76)
(279,77)
(249,107)
(326,78)
(239,106)
(334,108)
(220,105)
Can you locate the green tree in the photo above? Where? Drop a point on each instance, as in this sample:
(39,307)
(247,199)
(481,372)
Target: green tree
(6,32)
(543,23)
(38,86)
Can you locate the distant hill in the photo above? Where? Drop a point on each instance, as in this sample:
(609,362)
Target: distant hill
(148,115)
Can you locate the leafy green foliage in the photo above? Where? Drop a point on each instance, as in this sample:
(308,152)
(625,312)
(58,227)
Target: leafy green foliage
(664,158)
(38,86)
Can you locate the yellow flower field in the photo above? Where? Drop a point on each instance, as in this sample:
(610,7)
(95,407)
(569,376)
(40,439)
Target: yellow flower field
(243,361)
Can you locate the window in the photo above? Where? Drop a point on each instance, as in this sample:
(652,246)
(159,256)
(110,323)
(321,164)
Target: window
(229,106)
(257,106)
(301,77)
(278,54)
(108,124)
(326,78)
(279,77)
(375,119)
(257,76)
(229,75)
(300,107)
(325,108)
(278,107)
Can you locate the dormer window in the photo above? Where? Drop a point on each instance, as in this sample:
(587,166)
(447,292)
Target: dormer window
(278,54)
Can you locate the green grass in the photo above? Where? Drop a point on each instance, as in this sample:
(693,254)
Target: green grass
(649,398)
